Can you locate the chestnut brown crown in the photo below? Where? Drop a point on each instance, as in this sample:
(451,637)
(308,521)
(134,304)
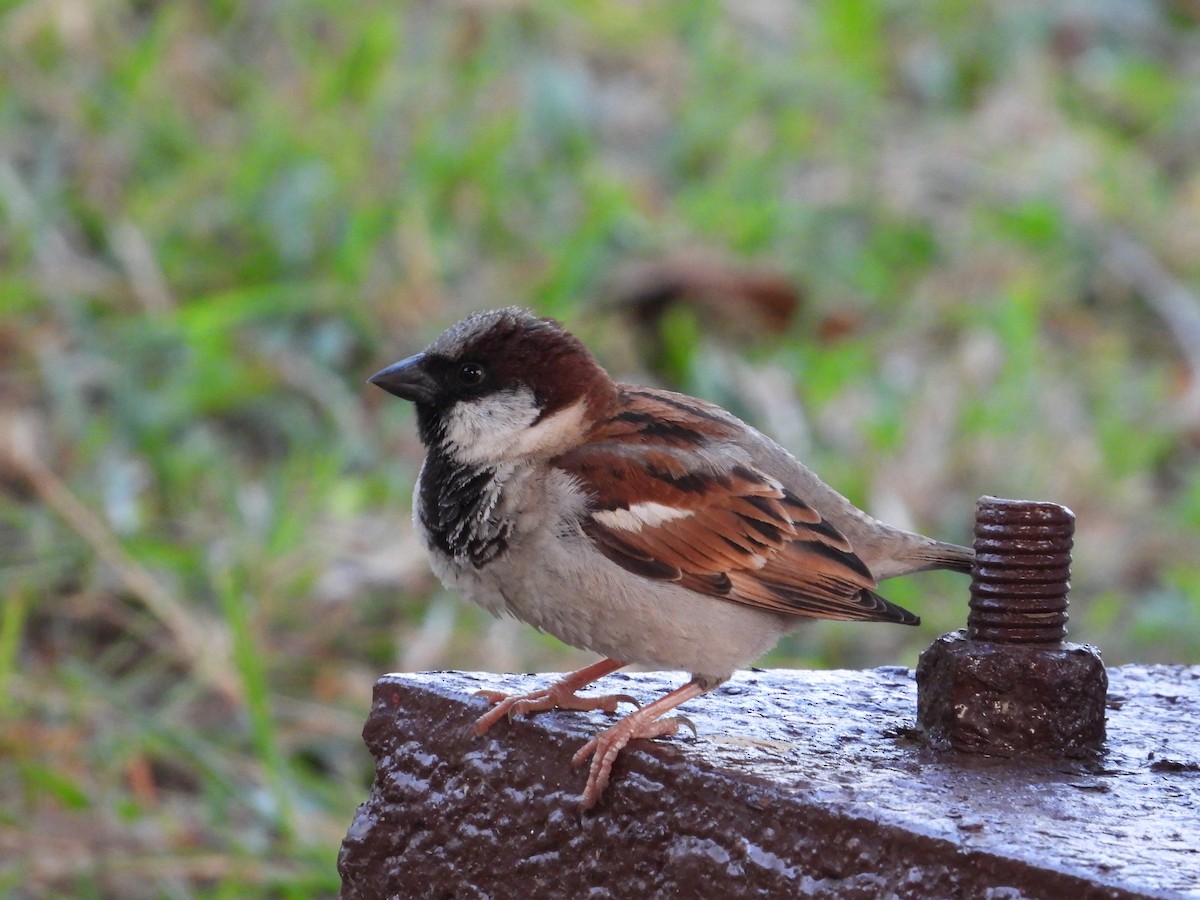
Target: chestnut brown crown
(498,351)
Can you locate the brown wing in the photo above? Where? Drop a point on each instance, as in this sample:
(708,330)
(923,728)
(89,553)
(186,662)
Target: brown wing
(672,510)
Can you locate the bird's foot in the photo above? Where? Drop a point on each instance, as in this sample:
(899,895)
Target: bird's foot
(646,722)
(607,745)
(560,695)
(557,696)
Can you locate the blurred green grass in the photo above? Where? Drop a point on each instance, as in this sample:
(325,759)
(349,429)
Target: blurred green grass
(217,218)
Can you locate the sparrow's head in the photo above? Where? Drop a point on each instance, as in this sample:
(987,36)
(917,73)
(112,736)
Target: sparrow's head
(502,385)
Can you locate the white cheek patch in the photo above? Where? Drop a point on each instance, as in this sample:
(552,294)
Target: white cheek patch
(485,430)
(500,427)
(639,516)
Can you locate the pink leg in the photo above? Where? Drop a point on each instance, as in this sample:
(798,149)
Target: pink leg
(644,723)
(560,695)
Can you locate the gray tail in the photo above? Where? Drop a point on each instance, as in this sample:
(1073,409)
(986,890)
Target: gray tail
(941,555)
(928,555)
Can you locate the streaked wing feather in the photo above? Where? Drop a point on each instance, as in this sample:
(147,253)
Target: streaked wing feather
(630,556)
(733,531)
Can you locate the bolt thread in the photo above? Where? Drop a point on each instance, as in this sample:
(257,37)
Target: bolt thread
(1022,571)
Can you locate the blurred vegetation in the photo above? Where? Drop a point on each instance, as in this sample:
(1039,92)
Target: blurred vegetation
(217,218)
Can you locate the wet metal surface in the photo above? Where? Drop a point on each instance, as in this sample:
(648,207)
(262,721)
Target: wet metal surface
(811,784)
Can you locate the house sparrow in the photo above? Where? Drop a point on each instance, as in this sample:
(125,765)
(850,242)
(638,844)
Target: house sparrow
(646,525)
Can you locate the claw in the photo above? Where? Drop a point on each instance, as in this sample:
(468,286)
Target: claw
(684,720)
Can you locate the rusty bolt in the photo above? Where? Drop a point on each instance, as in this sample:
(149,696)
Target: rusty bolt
(1009,684)
(1022,571)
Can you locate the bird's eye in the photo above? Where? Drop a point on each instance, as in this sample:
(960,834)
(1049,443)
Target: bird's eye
(470,374)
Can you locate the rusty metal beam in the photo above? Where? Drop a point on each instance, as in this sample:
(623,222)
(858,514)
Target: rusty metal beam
(801,784)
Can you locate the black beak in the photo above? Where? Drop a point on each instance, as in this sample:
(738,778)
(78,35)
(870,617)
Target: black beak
(407,379)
